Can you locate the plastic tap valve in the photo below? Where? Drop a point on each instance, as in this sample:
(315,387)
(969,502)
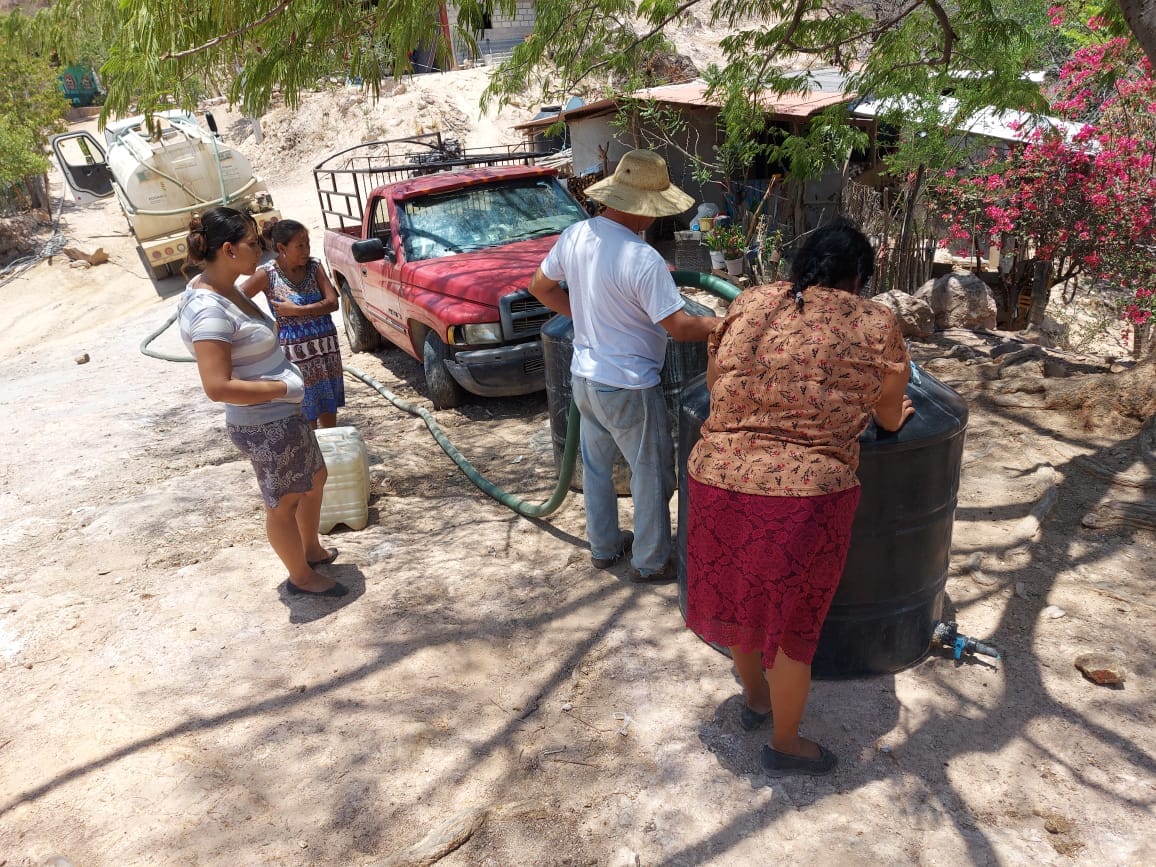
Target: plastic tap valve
(948,635)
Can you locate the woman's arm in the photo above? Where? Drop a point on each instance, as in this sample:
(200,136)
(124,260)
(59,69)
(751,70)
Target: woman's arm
(329,302)
(259,282)
(326,305)
(894,407)
(215,364)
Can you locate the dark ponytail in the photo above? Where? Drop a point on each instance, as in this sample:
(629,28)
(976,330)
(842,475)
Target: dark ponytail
(278,232)
(832,255)
(213,229)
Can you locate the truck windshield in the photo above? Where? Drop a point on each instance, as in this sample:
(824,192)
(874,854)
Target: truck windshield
(486,215)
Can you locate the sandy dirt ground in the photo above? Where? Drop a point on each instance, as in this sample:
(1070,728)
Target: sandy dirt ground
(164,703)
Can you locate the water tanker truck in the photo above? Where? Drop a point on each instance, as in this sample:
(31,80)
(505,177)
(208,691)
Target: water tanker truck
(162,172)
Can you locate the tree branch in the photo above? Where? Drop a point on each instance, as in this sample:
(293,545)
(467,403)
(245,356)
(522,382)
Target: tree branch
(949,34)
(217,40)
(638,40)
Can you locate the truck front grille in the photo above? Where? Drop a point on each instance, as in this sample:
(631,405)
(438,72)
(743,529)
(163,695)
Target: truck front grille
(522,315)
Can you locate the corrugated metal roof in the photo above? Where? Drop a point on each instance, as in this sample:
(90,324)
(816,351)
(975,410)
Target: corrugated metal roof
(693,94)
(990,123)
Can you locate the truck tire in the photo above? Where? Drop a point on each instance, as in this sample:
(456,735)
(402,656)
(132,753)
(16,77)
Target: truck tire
(444,391)
(362,336)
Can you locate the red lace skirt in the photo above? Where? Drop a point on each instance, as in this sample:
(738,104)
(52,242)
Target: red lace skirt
(762,571)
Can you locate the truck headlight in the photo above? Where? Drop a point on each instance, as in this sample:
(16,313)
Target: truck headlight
(482,332)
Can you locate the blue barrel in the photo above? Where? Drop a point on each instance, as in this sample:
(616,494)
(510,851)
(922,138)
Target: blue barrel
(684,362)
(891,594)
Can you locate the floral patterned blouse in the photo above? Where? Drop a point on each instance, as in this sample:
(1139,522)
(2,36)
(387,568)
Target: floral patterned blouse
(794,391)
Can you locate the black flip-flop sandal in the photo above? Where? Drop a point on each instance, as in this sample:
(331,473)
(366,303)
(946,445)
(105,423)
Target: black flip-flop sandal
(313,564)
(785,765)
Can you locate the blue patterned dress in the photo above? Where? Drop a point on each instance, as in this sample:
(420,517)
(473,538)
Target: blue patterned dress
(311,344)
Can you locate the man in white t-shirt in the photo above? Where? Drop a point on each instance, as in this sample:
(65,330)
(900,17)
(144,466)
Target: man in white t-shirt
(623,302)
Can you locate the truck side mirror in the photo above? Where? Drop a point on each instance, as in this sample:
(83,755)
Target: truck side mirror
(369,250)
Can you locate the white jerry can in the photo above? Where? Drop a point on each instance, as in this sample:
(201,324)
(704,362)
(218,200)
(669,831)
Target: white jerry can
(346,499)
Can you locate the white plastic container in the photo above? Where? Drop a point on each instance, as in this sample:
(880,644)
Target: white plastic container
(346,499)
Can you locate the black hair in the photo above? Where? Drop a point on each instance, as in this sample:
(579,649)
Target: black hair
(278,232)
(213,229)
(831,255)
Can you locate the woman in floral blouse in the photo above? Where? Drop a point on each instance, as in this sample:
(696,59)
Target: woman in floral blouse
(795,373)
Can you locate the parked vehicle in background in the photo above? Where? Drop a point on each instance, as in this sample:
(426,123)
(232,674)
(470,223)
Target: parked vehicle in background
(161,170)
(81,86)
(432,249)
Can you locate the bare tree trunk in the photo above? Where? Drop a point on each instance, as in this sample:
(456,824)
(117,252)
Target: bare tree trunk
(37,187)
(1143,344)
(1141,17)
(1041,291)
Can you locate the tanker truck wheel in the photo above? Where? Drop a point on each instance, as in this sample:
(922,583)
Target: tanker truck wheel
(362,336)
(444,391)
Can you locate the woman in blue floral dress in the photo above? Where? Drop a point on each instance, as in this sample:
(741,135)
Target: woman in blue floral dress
(302,296)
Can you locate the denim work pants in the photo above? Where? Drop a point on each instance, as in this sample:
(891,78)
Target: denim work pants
(634,422)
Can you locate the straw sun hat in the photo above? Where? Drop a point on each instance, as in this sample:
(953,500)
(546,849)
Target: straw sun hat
(640,185)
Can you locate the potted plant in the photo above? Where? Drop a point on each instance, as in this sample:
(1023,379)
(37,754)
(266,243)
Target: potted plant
(732,241)
(715,241)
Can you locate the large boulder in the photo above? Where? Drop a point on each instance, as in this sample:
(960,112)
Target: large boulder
(916,318)
(959,300)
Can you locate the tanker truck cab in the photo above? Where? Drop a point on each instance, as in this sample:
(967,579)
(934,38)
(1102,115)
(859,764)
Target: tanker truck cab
(162,171)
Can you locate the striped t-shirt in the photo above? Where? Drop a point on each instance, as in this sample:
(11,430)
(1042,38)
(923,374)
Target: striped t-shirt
(205,315)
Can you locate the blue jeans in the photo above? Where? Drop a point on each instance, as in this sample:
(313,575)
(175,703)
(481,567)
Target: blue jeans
(633,422)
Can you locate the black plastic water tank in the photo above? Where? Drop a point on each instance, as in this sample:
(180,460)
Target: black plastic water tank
(891,593)
(684,363)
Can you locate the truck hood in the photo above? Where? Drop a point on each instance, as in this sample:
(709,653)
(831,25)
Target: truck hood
(484,276)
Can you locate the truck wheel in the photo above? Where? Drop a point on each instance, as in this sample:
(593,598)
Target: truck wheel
(444,391)
(362,336)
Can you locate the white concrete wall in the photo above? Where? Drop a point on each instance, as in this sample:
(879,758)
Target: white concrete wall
(500,39)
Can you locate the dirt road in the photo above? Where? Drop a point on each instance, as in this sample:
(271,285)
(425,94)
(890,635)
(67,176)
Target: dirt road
(164,703)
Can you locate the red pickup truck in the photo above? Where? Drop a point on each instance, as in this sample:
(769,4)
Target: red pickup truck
(437,259)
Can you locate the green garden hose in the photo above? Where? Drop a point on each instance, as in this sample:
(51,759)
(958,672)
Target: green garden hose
(565,472)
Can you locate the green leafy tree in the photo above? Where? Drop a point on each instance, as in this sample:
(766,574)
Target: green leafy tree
(31,109)
(164,52)
(161,52)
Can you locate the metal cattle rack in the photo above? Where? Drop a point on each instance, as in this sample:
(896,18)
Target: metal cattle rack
(345,179)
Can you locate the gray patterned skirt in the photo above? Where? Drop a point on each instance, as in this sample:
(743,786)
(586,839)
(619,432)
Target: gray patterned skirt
(284,454)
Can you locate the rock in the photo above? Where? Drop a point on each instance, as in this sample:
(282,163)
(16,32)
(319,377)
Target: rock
(959,300)
(1042,336)
(82,358)
(1021,590)
(1054,612)
(1005,347)
(963,352)
(1028,361)
(916,318)
(1101,668)
(982,579)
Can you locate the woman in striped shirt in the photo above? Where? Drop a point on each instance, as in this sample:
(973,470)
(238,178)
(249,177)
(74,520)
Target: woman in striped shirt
(241,365)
